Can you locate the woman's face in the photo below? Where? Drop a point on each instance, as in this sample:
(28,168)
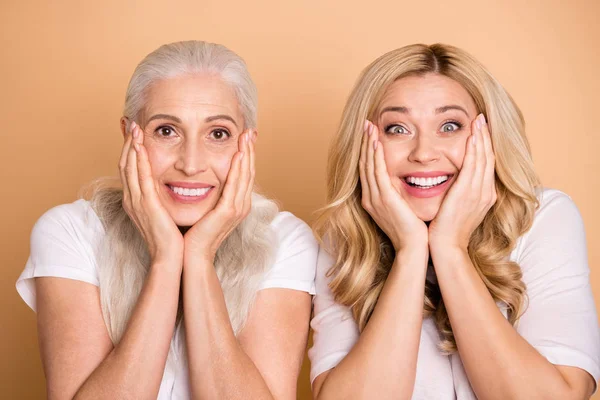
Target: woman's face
(424,122)
(191,126)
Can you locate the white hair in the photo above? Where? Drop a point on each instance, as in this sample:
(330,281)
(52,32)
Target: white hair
(123,259)
(192,57)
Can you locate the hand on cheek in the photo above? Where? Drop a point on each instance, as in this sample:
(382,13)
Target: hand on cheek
(470,197)
(141,202)
(204,238)
(383,201)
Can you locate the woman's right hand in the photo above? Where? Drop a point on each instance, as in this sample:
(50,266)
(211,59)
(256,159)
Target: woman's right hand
(142,204)
(383,201)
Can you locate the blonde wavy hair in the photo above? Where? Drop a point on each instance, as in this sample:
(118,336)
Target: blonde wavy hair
(123,259)
(363,253)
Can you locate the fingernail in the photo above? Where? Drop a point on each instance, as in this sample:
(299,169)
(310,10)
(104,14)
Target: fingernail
(483,120)
(135,133)
(366,125)
(473,139)
(132,126)
(242,155)
(370,129)
(375,145)
(136,146)
(247,138)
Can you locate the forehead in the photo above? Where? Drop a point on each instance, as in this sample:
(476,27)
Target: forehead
(199,93)
(426,93)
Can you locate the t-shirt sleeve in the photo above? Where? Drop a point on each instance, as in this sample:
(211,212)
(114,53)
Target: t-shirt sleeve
(61,246)
(296,255)
(334,330)
(560,320)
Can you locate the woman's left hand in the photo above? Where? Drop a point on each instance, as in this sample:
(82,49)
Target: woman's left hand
(470,197)
(203,239)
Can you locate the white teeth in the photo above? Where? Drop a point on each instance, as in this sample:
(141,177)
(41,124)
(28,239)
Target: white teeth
(190,192)
(426,182)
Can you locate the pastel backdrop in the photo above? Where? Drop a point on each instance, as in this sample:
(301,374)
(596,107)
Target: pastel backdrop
(65,66)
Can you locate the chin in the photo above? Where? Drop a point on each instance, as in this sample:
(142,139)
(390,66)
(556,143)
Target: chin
(426,212)
(186,218)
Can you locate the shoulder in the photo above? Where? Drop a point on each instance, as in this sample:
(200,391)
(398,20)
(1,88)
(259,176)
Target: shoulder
(556,239)
(556,214)
(286,223)
(74,222)
(553,204)
(292,233)
(295,256)
(78,215)
(64,243)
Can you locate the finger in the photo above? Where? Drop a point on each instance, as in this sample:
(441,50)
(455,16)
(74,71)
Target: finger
(370,165)
(123,161)
(123,167)
(147,187)
(251,156)
(480,163)
(230,188)
(131,171)
(465,176)
(245,173)
(364,184)
(382,176)
(489,179)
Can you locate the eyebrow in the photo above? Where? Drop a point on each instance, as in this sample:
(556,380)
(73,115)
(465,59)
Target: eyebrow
(220,116)
(403,110)
(207,120)
(164,116)
(439,110)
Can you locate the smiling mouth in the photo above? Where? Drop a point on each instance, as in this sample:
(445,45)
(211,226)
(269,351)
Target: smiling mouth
(426,183)
(190,192)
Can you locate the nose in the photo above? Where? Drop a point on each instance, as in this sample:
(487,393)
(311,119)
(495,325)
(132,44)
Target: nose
(424,150)
(192,158)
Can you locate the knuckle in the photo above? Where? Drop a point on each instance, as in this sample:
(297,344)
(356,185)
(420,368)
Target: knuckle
(365,203)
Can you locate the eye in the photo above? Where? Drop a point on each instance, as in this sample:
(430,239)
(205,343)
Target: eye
(165,131)
(451,126)
(396,130)
(220,134)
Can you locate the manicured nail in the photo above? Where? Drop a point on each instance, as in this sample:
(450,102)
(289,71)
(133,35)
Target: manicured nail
(473,139)
(135,133)
(483,120)
(366,125)
(136,146)
(248,136)
(375,145)
(241,155)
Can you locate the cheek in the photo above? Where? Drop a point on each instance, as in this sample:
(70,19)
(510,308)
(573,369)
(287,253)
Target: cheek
(395,155)
(456,153)
(160,159)
(221,164)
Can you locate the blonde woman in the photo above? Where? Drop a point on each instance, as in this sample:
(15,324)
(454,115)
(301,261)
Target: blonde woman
(183,283)
(448,272)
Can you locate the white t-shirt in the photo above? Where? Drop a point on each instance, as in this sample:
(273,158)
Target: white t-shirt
(66,239)
(560,322)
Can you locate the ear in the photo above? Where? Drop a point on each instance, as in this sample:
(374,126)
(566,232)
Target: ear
(124,125)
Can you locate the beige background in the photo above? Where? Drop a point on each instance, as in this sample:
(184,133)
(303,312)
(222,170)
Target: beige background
(65,66)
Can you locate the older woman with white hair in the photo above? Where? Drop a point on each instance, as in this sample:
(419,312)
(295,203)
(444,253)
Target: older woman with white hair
(183,282)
